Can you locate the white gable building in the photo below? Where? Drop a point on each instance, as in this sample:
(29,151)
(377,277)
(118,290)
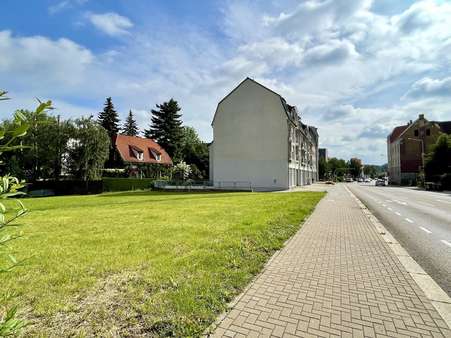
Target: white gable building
(260,141)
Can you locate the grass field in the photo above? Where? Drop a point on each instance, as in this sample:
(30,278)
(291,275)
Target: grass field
(144,263)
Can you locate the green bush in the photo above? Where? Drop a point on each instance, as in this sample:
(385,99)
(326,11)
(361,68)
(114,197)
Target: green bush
(124,184)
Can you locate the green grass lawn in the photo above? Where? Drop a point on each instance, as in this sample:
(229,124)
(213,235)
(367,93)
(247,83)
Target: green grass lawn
(144,263)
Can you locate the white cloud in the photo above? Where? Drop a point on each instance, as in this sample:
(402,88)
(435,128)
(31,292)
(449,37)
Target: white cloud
(346,67)
(428,87)
(64,5)
(334,51)
(38,62)
(110,23)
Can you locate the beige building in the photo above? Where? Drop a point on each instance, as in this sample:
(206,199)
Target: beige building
(408,144)
(260,141)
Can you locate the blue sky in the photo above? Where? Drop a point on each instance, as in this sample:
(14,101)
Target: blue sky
(355,69)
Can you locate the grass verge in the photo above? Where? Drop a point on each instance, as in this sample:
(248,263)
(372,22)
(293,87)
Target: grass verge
(145,263)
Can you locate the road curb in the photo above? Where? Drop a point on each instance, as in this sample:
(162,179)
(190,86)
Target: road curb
(439,298)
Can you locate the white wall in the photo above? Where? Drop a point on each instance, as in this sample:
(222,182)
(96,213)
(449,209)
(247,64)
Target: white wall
(250,134)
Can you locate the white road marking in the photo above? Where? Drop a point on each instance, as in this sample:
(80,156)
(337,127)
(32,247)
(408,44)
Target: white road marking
(390,209)
(426,230)
(443,201)
(408,220)
(384,205)
(446,242)
(397,213)
(400,202)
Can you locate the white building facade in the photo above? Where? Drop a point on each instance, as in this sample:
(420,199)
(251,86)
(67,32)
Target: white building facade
(259,141)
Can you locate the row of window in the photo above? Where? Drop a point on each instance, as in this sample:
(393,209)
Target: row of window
(428,132)
(139,154)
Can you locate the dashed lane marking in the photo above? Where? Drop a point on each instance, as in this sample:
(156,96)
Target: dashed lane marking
(408,220)
(400,202)
(446,242)
(398,213)
(426,230)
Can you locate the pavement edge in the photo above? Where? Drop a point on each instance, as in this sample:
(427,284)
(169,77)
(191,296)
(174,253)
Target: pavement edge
(439,298)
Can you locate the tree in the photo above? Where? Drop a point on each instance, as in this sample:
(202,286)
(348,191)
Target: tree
(108,118)
(88,150)
(130,127)
(181,171)
(47,137)
(355,166)
(194,152)
(438,161)
(371,170)
(166,127)
(336,167)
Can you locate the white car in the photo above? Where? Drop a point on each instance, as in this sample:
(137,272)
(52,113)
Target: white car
(380,182)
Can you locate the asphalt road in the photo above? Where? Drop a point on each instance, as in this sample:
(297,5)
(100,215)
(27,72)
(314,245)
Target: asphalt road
(419,220)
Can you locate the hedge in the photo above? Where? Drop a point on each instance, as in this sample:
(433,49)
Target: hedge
(124,184)
(64,187)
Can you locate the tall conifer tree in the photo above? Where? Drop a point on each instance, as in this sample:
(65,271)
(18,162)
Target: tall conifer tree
(166,127)
(130,127)
(109,118)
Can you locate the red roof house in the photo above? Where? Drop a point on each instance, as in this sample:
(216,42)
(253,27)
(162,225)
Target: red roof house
(134,149)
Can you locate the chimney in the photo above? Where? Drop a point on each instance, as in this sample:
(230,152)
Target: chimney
(421,116)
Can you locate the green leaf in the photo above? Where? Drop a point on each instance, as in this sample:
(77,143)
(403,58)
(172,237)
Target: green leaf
(18,115)
(5,181)
(20,130)
(2,208)
(43,106)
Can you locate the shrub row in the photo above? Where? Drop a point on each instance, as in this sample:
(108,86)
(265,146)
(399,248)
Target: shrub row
(64,187)
(74,187)
(124,184)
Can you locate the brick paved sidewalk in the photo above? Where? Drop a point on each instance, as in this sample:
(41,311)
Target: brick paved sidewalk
(335,277)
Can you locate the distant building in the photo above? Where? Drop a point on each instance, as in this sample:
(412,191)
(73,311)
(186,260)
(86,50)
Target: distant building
(407,145)
(322,153)
(134,151)
(258,139)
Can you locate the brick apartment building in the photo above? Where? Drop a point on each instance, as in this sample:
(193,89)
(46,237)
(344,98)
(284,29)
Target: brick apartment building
(407,146)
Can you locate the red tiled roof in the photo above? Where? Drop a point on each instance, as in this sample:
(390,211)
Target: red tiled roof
(126,144)
(396,132)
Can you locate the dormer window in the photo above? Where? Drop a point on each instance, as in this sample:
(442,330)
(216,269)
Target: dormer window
(155,154)
(137,153)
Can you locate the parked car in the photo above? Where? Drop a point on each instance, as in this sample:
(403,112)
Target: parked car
(380,182)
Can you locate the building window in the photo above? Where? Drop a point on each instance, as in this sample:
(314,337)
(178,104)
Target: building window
(155,154)
(428,132)
(416,132)
(138,154)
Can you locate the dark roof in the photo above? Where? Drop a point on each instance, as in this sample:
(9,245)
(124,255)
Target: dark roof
(445,126)
(125,144)
(396,132)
